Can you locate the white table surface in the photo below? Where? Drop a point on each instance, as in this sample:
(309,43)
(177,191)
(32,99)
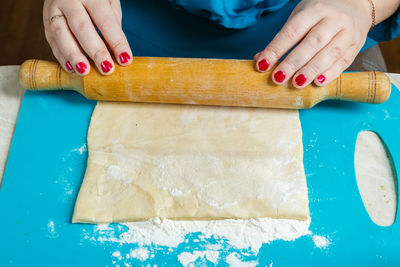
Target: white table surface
(375,182)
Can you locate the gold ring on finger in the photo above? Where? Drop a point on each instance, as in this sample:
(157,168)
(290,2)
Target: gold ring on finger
(56,17)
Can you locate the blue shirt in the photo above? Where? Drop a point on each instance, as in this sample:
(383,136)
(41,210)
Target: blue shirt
(239,14)
(220,28)
(235,14)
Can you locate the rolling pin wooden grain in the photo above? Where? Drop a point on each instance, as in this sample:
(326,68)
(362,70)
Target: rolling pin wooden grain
(201,81)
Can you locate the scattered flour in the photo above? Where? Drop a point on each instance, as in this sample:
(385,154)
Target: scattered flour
(69,192)
(51,230)
(81,149)
(241,234)
(235,242)
(103,227)
(321,241)
(186,258)
(233,261)
(117,255)
(50,226)
(140,254)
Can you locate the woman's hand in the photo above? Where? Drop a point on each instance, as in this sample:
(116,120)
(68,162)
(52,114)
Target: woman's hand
(326,36)
(70,27)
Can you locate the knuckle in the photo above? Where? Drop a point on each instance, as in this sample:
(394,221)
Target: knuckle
(99,55)
(118,44)
(57,30)
(272,52)
(353,46)
(290,32)
(313,70)
(106,23)
(79,25)
(337,52)
(291,64)
(316,42)
(73,56)
(346,62)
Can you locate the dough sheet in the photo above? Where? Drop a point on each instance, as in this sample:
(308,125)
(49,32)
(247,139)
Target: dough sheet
(192,163)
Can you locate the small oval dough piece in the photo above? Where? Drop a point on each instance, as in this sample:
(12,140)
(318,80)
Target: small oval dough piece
(375,178)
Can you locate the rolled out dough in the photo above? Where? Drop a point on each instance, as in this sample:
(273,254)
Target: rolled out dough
(192,162)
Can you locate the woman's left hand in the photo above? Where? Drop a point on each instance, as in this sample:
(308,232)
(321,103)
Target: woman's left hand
(326,36)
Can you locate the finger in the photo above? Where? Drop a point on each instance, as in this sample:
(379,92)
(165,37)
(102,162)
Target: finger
(333,52)
(316,39)
(84,31)
(336,69)
(68,46)
(103,16)
(65,64)
(291,33)
(116,7)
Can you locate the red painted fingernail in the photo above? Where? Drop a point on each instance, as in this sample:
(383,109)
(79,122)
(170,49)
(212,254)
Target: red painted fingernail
(81,67)
(321,79)
(300,80)
(106,66)
(124,57)
(263,65)
(279,76)
(69,66)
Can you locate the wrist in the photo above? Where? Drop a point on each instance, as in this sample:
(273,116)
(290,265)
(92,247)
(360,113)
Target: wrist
(383,8)
(364,10)
(373,13)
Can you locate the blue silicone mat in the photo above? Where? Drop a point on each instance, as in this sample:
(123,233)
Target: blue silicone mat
(47,163)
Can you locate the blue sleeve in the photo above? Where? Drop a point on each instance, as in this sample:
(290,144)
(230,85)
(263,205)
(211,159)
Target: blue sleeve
(387,30)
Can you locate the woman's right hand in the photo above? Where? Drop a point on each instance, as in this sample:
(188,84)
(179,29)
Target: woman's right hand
(70,28)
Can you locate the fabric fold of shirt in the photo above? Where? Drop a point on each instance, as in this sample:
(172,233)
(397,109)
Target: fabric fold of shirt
(240,14)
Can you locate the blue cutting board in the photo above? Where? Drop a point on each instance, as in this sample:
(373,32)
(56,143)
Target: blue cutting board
(48,156)
(47,162)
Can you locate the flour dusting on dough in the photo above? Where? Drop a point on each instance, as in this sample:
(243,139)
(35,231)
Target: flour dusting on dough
(115,172)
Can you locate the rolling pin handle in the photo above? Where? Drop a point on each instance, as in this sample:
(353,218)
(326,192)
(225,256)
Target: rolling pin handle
(40,75)
(367,87)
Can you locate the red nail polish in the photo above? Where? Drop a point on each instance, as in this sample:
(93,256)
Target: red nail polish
(106,66)
(124,57)
(279,76)
(300,80)
(69,66)
(263,65)
(321,79)
(81,67)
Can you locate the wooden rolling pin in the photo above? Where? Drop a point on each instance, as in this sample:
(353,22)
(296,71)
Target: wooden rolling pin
(201,81)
